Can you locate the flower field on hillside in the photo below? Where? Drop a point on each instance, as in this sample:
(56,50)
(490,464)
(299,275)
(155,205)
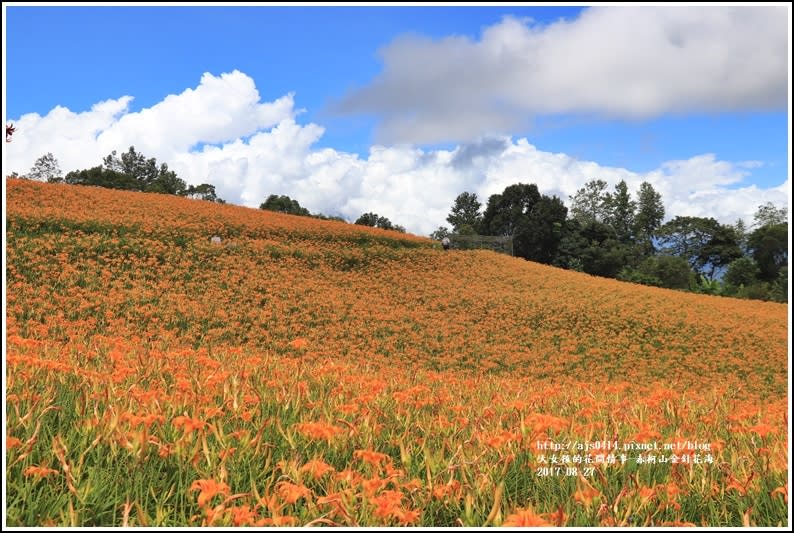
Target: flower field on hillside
(309,372)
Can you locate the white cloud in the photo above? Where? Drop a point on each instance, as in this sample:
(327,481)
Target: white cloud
(259,149)
(627,62)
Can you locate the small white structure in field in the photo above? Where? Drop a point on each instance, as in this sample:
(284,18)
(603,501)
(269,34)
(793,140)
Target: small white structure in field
(216,239)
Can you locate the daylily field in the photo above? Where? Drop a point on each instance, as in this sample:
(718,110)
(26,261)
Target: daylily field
(309,372)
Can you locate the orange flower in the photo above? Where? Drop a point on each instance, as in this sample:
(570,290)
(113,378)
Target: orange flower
(319,430)
(207,489)
(299,343)
(783,489)
(291,493)
(646,493)
(524,518)
(371,457)
(243,516)
(188,424)
(586,496)
(39,471)
(278,521)
(317,468)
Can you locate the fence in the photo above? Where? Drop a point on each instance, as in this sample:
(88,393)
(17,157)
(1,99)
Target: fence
(482,242)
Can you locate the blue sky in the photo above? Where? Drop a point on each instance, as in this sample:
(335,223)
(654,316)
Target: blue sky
(580,88)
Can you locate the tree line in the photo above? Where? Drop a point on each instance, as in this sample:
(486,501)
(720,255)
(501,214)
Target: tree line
(605,233)
(610,234)
(132,171)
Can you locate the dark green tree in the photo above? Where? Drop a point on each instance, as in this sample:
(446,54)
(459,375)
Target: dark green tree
(376,221)
(740,228)
(769,247)
(742,272)
(540,232)
(536,222)
(465,212)
(592,248)
(666,271)
(440,233)
(621,212)
(145,172)
(591,202)
(133,164)
(101,177)
(505,211)
(650,213)
(706,244)
(204,191)
(720,251)
(284,204)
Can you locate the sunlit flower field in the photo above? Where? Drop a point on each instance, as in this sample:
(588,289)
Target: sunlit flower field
(309,372)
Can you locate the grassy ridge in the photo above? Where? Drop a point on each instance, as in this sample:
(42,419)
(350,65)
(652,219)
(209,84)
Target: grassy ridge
(309,370)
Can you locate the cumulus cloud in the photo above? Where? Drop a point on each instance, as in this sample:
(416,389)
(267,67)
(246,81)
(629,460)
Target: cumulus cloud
(249,150)
(626,62)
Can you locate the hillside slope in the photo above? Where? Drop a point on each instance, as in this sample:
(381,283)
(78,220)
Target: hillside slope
(358,292)
(325,339)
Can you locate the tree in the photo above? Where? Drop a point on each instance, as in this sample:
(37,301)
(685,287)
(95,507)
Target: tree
(705,243)
(133,164)
(621,212)
(440,233)
(101,177)
(46,168)
(742,272)
(592,248)
(465,211)
(650,213)
(721,250)
(668,271)
(740,228)
(769,247)
(375,221)
(284,204)
(768,215)
(145,173)
(540,233)
(535,221)
(591,203)
(504,211)
(205,191)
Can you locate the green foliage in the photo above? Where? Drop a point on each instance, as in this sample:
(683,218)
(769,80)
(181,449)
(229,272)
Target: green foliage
(635,276)
(591,203)
(465,212)
(769,247)
(147,176)
(650,213)
(742,271)
(705,243)
(100,177)
(284,204)
(595,246)
(769,215)
(621,211)
(706,285)
(779,289)
(666,271)
(536,222)
(131,172)
(440,233)
(375,221)
(205,191)
(46,168)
